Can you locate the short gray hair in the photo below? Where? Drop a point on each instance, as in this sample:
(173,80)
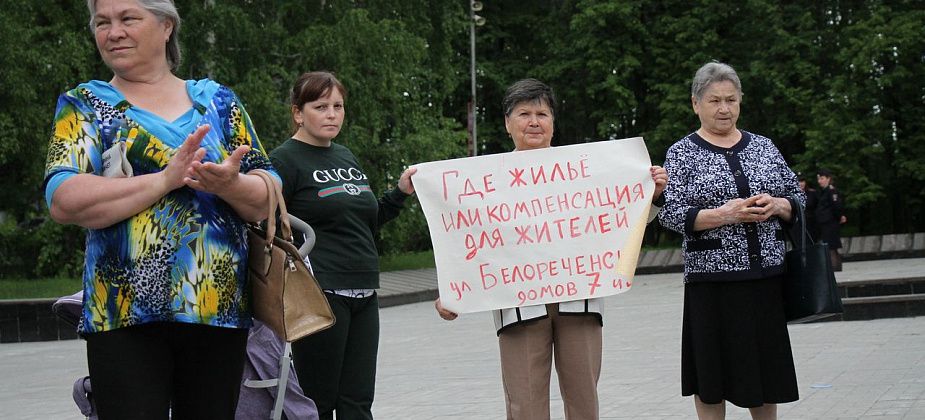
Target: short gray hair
(528,90)
(714,72)
(163,9)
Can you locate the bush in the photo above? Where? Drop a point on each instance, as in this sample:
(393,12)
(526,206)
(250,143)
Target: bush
(40,247)
(407,233)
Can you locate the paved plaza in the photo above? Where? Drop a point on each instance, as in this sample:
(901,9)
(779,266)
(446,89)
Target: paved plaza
(434,369)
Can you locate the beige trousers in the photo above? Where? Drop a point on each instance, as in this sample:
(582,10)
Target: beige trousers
(527,351)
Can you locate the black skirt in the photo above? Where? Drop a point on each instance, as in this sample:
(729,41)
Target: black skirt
(735,345)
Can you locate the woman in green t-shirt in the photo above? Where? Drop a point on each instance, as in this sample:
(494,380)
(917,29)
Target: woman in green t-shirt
(324,185)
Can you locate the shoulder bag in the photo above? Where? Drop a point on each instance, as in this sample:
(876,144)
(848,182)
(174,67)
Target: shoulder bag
(810,291)
(285,295)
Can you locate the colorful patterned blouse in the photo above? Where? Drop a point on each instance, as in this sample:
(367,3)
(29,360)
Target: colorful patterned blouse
(184,259)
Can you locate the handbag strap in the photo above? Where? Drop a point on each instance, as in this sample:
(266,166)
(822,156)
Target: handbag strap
(276,201)
(802,216)
(804,235)
(284,224)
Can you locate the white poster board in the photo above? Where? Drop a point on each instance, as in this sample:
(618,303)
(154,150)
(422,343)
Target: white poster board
(540,226)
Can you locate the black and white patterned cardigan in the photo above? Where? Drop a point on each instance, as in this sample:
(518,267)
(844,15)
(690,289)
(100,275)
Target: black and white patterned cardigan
(704,176)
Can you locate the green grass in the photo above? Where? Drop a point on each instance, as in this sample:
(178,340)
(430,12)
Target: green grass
(407,261)
(38,288)
(57,287)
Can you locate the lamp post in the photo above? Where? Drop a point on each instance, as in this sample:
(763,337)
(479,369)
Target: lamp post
(474,20)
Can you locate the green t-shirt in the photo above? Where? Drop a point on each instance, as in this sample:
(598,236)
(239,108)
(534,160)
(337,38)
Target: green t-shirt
(327,188)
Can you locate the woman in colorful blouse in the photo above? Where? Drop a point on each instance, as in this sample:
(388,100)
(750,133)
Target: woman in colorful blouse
(155,168)
(324,185)
(729,194)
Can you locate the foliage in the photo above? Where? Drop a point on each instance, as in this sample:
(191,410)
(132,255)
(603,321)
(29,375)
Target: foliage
(870,116)
(407,261)
(40,248)
(836,84)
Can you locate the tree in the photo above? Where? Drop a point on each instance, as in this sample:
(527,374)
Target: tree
(870,117)
(835,83)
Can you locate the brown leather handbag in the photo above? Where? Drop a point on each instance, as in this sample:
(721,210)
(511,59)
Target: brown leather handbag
(285,294)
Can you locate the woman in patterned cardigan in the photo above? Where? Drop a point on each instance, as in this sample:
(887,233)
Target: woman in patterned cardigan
(729,192)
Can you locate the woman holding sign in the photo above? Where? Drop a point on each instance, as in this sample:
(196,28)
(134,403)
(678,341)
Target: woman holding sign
(530,336)
(728,195)
(324,185)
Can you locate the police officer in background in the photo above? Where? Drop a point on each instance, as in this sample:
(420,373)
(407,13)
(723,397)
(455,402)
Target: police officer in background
(829,216)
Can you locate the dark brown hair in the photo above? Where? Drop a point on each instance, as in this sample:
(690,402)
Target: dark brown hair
(530,91)
(311,86)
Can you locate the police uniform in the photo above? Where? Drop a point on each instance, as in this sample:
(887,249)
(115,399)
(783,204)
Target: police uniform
(829,211)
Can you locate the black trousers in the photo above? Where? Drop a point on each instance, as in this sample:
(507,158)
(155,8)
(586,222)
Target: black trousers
(337,367)
(145,371)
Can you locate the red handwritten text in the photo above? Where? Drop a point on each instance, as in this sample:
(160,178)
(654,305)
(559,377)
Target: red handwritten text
(538,271)
(615,198)
(491,239)
(459,288)
(539,175)
(574,227)
(452,185)
(549,290)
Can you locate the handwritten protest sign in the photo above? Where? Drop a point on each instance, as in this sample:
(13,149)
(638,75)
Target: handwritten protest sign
(538,226)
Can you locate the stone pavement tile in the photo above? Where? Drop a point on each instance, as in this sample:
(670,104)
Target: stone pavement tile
(904,242)
(870,244)
(846,248)
(918,243)
(891,407)
(640,374)
(889,243)
(662,256)
(677,258)
(433,369)
(813,404)
(38,377)
(871,377)
(916,412)
(646,258)
(437,368)
(397,282)
(907,391)
(679,410)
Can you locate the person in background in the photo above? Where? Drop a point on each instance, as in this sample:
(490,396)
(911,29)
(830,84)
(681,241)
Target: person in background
(729,193)
(155,168)
(530,337)
(325,186)
(829,216)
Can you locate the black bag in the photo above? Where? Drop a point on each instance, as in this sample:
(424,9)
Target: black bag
(810,292)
